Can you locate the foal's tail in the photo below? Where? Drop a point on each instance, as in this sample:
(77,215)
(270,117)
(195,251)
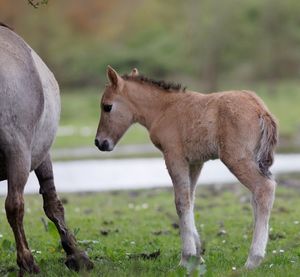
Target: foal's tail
(267,143)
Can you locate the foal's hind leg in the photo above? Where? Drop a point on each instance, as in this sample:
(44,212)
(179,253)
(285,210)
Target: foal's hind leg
(76,259)
(18,166)
(263,189)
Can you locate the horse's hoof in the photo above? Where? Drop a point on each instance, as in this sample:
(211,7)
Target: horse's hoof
(26,264)
(79,261)
(32,269)
(253,261)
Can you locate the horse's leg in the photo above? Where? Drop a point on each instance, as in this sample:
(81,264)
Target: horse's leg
(76,259)
(194,172)
(263,189)
(179,171)
(18,167)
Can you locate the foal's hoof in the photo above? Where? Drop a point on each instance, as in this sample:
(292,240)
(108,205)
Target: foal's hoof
(187,261)
(79,261)
(253,261)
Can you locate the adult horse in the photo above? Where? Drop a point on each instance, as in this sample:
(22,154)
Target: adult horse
(29,116)
(191,128)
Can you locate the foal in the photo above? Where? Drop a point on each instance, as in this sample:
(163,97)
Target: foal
(191,128)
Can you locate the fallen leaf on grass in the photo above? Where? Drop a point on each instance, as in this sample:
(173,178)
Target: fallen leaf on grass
(175,225)
(161,232)
(276,236)
(108,222)
(144,256)
(104,232)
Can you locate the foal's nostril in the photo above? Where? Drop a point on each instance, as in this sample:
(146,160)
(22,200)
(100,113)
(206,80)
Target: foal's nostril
(97,142)
(104,146)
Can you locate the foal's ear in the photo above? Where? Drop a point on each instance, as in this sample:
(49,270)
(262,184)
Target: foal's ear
(134,72)
(113,77)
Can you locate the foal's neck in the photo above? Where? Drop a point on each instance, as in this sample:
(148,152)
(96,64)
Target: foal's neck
(149,103)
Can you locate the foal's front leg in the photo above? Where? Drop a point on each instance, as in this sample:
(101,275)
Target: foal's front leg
(194,172)
(179,171)
(76,259)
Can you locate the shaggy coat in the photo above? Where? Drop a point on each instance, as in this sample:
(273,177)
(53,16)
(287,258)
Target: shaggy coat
(190,128)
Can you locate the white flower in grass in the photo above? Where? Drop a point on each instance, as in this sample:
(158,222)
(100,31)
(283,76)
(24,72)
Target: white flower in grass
(296,222)
(1,236)
(274,251)
(281,251)
(132,242)
(233,268)
(223,241)
(271,265)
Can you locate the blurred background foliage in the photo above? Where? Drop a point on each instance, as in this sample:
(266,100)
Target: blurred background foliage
(210,41)
(207,45)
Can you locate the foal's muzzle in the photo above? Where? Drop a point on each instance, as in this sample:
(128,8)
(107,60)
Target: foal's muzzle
(103,146)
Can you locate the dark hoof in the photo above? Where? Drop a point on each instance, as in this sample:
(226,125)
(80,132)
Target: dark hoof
(29,268)
(79,261)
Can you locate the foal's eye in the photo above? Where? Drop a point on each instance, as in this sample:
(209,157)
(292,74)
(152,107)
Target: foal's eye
(107,108)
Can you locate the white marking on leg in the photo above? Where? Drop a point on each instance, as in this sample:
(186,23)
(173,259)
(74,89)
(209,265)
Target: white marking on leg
(263,201)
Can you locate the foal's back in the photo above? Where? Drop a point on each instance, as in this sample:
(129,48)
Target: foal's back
(218,124)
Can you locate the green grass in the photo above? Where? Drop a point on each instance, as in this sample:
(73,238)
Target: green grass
(81,111)
(140,222)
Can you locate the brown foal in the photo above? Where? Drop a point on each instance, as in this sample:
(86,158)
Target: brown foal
(191,128)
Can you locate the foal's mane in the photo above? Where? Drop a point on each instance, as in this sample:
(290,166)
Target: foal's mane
(166,86)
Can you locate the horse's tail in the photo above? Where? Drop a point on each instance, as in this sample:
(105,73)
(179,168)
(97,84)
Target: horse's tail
(267,143)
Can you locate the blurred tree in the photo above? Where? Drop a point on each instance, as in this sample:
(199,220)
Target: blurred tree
(37,3)
(207,42)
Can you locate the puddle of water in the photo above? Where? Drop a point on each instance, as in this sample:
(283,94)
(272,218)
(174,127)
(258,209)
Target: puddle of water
(99,175)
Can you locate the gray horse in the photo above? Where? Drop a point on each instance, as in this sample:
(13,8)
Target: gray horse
(29,116)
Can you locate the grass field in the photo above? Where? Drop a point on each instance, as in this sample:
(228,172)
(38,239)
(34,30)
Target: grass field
(135,233)
(80,116)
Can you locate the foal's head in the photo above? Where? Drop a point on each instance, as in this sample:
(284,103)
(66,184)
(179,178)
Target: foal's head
(116,112)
